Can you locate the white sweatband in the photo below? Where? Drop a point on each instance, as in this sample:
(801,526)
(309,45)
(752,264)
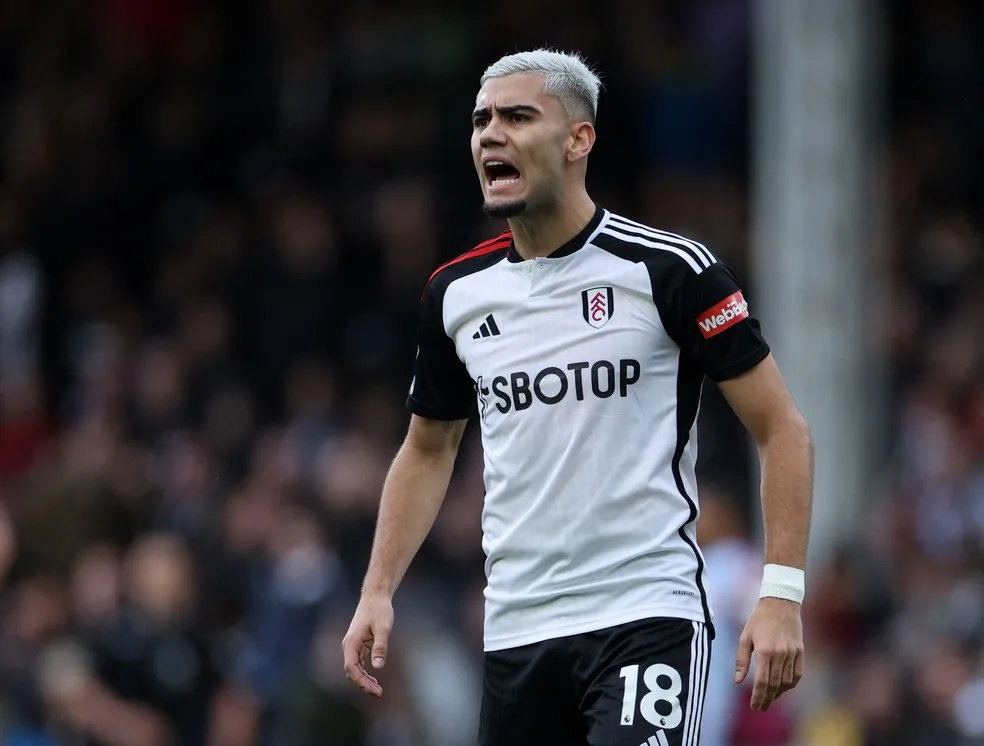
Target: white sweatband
(779,581)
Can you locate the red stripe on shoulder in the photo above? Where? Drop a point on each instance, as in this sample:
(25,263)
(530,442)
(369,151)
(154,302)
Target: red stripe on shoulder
(501,237)
(486,247)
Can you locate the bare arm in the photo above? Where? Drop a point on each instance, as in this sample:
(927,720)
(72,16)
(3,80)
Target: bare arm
(99,713)
(8,543)
(234,717)
(412,496)
(763,403)
(774,632)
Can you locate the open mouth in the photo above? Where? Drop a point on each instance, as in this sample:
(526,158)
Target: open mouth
(500,174)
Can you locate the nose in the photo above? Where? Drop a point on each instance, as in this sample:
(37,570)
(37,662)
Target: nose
(492,135)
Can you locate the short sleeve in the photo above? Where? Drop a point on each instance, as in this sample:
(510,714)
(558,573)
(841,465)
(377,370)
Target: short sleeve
(707,315)
(441,387)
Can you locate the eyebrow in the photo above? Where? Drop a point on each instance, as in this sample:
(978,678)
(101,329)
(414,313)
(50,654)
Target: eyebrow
(513,109)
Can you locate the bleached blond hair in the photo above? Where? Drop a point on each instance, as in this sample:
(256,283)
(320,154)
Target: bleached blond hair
(567,78)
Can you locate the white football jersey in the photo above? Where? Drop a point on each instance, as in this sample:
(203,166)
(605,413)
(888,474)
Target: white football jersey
(585,371)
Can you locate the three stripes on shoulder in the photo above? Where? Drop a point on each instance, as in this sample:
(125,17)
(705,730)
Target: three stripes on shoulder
(695,254)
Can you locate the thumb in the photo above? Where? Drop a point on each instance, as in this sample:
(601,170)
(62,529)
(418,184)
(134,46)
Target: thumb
(744,659)
(380,640)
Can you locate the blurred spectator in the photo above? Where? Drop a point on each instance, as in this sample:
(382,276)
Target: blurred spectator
(24,426)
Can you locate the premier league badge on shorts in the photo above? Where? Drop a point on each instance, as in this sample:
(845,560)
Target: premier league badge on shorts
(597,305)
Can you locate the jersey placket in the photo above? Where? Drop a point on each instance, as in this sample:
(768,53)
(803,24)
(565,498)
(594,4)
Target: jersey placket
(536,271)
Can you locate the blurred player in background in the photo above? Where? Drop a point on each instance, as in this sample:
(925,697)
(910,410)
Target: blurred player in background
(734,577)
(581,340)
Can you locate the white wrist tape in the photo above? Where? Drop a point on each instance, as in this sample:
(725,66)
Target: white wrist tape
(779,581)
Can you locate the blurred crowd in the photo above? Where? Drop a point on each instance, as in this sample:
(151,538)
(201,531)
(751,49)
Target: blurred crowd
(215,222)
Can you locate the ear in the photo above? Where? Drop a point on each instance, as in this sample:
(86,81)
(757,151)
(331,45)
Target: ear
(581,142)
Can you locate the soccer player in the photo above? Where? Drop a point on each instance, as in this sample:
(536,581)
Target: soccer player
(581,340)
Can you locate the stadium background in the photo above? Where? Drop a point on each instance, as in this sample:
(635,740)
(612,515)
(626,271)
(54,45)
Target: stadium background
(215,222)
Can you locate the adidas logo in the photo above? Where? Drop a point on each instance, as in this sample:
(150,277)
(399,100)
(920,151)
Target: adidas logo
(487,329)
(658,740)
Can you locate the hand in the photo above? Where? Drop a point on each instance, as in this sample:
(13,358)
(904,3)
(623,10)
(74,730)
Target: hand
(369,631)
(774,632)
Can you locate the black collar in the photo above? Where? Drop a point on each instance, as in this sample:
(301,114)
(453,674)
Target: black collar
(571,246)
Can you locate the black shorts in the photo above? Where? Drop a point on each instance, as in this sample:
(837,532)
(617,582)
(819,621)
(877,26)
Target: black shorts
(638,684)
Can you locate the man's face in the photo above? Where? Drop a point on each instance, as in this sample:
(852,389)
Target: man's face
(519,135)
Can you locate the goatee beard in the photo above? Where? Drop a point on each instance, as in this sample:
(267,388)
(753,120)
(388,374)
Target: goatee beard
(504,210)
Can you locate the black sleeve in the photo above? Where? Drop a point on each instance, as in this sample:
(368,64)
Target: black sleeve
(707,315)
(441,388)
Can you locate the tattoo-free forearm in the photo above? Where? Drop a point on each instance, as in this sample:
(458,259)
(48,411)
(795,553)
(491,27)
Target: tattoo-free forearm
(787,493)
(412,496)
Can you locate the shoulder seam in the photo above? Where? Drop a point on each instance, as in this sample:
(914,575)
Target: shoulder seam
(698,262)
(501,237)
(701,249)
(486,247)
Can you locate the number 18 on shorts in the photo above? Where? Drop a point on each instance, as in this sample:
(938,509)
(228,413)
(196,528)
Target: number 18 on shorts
(638,684)
(663,684)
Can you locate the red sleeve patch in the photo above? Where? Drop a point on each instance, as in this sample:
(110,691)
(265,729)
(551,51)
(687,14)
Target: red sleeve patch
(725,314)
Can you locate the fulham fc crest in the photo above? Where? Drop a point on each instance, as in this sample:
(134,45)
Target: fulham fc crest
(597,305)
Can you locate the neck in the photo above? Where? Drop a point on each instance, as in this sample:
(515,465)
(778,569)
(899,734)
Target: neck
(539,235)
